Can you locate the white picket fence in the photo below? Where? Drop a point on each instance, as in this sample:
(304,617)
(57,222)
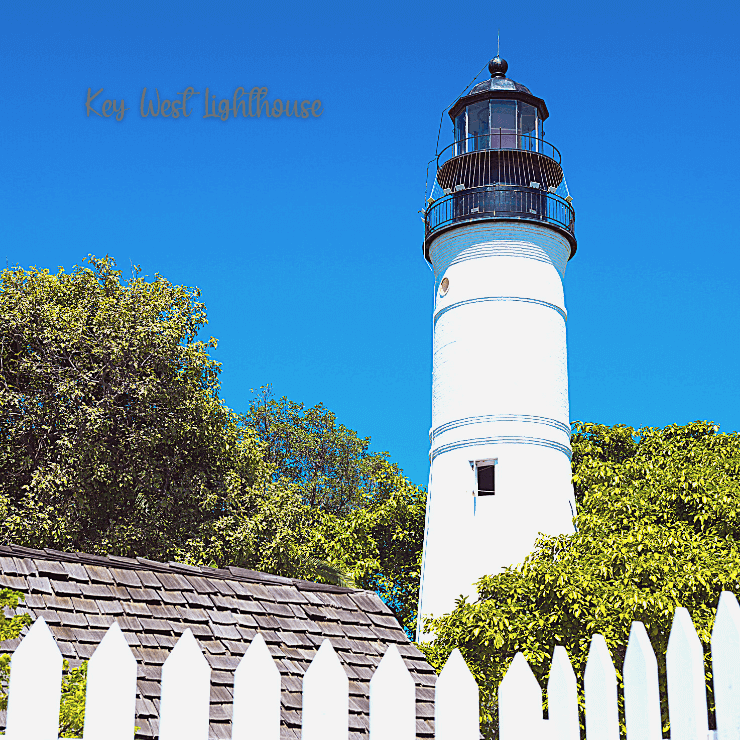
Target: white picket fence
(36,669)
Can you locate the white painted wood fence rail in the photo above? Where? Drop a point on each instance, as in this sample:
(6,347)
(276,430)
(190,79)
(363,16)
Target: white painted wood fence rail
(36,670)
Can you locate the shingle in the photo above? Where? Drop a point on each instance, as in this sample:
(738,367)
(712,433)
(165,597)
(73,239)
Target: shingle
(126,577)
(246,633)
(201,585)
(133,607)
(282,610)
(201,630)
(265,621)
(144,594)
(221,730)
(221,617)
(68,588)
(84,650)
(225,631)
(84,605)
(164,611)
(215,647)
(101,620)
(49,616)
(148,579)
(223,662)
(36,601)
(14,582)
(172,597)
(119,592)
(223,587)
(166,641)
(174,582)
(88,635)
(9,566)
(76,571)
(95,590)
(226,602)
(39,583)
(110,607)
(258,592)
(197,599)
(75,619)
(99,574)
(192,615)
(51,567)
(25,567)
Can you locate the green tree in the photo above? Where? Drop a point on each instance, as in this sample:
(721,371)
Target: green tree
(112,435)
(658,527)
(113,439)
(362,515)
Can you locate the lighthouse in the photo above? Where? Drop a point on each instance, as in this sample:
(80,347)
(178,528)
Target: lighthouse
(499,231)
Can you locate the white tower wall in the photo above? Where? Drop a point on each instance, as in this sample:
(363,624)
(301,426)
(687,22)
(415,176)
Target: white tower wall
(499,391)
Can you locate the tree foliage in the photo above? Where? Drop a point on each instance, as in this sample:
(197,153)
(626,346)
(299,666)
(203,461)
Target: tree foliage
(112,434)
(658,527)
(114,439)
(359,511)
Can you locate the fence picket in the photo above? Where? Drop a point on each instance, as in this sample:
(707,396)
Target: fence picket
(600,686)
(35,689)
(392,699)
(325,697)
(520,703)
(186,692)
(687,698)
(726,667)
(256,695)
(456,701)
(562,698)
(641,690)
(110,698)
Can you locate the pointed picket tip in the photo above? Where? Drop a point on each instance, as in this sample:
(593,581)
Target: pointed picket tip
(520,702)
(35,689)
(392,699)
(325,697)
(256,694)
(186,692)
(600,684)
(562,698)
(641,688)
(456,701)
(687,697)
(726,667)
(110,698)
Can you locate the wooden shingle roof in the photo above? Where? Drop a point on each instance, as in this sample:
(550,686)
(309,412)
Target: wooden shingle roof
(79,595)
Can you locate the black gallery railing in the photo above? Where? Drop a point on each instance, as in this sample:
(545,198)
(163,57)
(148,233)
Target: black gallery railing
(500,201)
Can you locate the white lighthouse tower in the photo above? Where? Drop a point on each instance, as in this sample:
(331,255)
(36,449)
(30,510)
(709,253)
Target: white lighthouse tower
(499,234)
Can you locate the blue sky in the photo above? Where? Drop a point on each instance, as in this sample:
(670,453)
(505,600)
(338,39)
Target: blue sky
(304,235)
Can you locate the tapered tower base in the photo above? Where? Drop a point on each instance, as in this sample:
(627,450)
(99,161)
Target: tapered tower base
(499,404)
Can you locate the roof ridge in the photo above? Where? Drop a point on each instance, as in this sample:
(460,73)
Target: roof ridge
(232,573)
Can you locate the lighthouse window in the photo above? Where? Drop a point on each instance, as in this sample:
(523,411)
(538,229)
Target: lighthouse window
(485,471)
(478,126)
(528,126)
(460,134)
(503,124)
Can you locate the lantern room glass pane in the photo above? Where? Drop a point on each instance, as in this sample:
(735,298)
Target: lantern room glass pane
(460,133)
(478,126)
(503,124)
(527,127)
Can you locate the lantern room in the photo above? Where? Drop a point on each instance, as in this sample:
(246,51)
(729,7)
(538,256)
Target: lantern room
(498,114)
(499,165)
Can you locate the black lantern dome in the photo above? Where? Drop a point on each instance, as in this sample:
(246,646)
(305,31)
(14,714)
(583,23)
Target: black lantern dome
(500,165)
